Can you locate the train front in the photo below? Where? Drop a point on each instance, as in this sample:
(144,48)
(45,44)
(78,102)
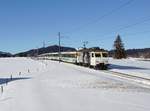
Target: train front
(99,59)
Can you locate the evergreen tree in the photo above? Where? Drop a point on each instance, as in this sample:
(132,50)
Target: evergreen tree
(119,50)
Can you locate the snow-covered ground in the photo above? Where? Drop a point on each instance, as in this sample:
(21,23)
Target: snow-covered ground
(131,66)
(53,86)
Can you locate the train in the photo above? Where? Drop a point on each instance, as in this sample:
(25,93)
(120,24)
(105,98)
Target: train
(94,58)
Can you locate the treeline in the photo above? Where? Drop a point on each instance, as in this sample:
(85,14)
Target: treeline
(49,49)
(119,51)
(139,52)
(144,53)
(5,54)
(35,52)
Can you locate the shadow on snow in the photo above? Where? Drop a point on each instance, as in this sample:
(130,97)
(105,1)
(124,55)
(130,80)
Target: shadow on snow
(7,80)
(114,66)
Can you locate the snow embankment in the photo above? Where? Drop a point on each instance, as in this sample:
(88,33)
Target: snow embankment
(131,66)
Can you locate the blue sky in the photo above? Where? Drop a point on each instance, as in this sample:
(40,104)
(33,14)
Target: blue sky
(25,24)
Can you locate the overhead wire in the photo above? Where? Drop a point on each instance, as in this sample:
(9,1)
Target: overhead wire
(103,16)
(146,19)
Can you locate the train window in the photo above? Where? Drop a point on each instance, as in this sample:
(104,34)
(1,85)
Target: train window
(104,54)
(97,55)
(69,55)
(92,54)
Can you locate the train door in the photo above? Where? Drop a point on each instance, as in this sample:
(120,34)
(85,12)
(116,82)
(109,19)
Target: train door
(87,58)
(92,59)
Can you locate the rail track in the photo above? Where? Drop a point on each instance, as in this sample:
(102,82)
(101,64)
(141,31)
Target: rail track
(136,79)
(133,78)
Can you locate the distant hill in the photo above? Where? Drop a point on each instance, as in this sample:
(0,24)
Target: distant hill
(139,52)
(5,54)
(48,49)
(145,52)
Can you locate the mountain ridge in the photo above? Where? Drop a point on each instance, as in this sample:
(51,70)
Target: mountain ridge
(140,52)
(49,49)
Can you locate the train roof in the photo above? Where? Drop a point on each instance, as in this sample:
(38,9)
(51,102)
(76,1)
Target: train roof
(93,49)
(72,52)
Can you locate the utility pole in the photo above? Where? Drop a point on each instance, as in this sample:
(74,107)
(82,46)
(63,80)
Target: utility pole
(84,44)
(59,47)
(37,52)
(84,50)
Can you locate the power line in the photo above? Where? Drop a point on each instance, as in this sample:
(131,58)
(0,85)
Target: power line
(84,44)
(134,24)
(129,34)
(106,14)
(103,16)
(129,26)
(137,33)
(59,47)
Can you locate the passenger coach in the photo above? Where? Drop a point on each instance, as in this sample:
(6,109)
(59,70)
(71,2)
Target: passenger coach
(96,58)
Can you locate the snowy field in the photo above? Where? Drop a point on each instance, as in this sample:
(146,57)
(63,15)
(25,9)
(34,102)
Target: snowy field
(131,66)
(53,86)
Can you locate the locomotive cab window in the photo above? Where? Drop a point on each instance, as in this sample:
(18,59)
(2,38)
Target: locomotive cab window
(97,55)
(105,54)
